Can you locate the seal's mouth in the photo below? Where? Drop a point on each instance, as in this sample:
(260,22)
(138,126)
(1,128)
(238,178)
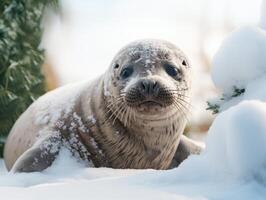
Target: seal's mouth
(150,107)
(150,103)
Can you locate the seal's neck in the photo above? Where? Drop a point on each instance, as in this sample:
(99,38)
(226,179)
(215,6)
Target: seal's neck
(156,133)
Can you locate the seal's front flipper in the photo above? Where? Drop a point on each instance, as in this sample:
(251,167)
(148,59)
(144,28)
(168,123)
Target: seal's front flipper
(40,156)
(185,148)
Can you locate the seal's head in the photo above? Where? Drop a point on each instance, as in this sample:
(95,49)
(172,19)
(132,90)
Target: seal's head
(150,79)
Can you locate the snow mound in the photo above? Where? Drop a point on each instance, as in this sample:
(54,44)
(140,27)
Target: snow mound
(237,138)
(240,59)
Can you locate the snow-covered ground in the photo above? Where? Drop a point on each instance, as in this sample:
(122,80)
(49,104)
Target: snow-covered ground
(213,175)
(233,165)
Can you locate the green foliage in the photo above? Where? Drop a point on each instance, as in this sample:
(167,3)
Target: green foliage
(237,91)
(21,79)
(215,106)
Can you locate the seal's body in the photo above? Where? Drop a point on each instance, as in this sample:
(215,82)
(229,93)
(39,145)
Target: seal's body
(133,116)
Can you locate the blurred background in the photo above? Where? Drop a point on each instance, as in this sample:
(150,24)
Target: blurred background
(47,44)
(81,39)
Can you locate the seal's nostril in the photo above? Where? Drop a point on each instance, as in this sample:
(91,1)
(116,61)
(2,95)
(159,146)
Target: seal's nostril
(144,86)
(155,85)
(156,88)
(149,87)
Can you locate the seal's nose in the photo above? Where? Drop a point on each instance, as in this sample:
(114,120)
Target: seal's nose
(148,87)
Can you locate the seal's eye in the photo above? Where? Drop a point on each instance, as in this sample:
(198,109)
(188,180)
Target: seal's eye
(126,72)
(171,70)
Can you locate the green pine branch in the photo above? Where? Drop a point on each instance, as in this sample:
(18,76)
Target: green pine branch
(21,80)
(215,106)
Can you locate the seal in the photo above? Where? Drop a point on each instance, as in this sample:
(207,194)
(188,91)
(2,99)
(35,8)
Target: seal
(132,116)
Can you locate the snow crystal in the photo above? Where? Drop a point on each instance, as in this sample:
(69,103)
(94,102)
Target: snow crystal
(50,146)
(80,124)
(96,146)
(78,150)
(92,119)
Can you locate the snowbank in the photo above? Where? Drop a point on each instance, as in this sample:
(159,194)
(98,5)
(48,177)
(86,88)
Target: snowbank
(241,63)
(244,55)
(237,138)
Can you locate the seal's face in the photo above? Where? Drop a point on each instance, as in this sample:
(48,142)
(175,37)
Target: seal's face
(150,78)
